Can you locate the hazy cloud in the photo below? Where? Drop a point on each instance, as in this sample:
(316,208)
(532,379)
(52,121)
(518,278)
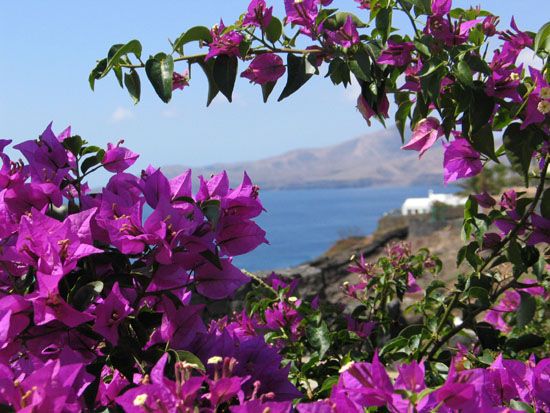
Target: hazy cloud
(121,114)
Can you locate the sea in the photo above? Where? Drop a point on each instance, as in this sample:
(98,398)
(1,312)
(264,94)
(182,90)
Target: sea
(302,224)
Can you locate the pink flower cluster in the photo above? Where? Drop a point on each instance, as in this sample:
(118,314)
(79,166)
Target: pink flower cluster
(96,287)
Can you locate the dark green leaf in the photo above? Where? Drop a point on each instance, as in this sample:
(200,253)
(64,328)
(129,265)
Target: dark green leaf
(488,335)
(89,163)
(119,50)
(319,338)
(73,144)
(267,88)
(526,310)
(339,19)
(464,74)
(133,85)
(297,75)
(542,40)
(401,116)
(208,69)
(225,74)
(525,342)
(190,358)
(519,146)
(274,31)
(194,34)
(85,295)
(160,69)
(483,141)
(545,204)
(481,110)
(212,258)
(383,23)
(96,72)
(481,295)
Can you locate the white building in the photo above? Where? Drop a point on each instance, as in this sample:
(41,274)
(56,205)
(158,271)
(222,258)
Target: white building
(413,206)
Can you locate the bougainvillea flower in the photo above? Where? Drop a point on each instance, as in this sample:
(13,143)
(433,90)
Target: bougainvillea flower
(179,325)
(48,159)
(301,12)
(541,230)
(237,236)
(460,160)
(180,81)
(368,111)
(396,54)
(258,14)
(110,386)
(426,132)
(504,84)
(265,68)
(118,158)
(111,313)
(286,316)
(485,200)
(363,4)
(509,302)
(218,283)
(441,7)
(224,42)
(508,200)
(362,328)
(346,36)
(364,385)
(54,246)
(538,102)
(254,406)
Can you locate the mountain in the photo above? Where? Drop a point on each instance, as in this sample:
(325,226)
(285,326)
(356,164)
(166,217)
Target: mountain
(370,160)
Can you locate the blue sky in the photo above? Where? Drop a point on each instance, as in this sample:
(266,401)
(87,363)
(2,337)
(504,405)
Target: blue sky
(49,47)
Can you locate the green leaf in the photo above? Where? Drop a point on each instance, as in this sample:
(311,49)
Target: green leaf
(89,163)
(267,88)
(545,204)
(274,30)
(339,19)
(483,141)
(542,40)
(73,144)
(481,295)
(360,65)
(401,116)
(464,74)
(212,258)
(297,75)
(208,69)
(521,406)
(526,310)
(525,342)
(212,211)
(519,146)
(190,358)
(96,72)
(383,23)
(160,69)
(319,338)
(85,295)
(481,110)
(225,74)
(194,34)
(133,85)
(117,51)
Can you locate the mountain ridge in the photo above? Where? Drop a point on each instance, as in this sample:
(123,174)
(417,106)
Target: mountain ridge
(374,159)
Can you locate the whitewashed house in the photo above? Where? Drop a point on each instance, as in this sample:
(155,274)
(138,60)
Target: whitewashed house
(414,206)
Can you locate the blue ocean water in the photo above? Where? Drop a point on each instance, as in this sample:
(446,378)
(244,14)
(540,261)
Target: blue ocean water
(302,224)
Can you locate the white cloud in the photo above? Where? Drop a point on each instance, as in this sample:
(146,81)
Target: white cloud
(121,114)
(171,113)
